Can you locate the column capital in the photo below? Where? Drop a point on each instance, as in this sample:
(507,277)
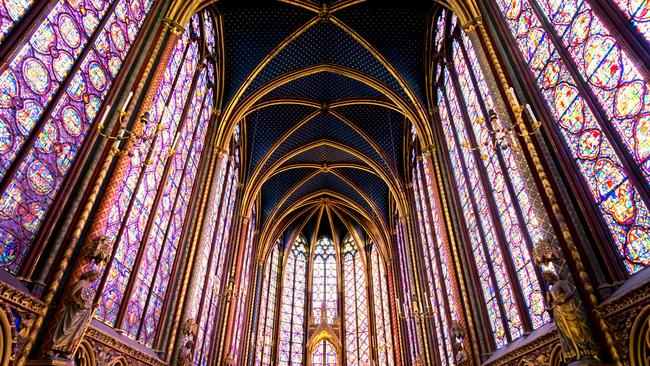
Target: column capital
(221,152)
(175,27)
(472,24)
(429,150)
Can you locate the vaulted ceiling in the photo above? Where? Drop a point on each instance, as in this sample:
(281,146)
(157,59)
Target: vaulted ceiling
(326,93)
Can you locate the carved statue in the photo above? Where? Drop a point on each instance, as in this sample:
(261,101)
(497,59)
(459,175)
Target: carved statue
(78,312)
(190,329)
(574,333)
(575,336)
(457,335)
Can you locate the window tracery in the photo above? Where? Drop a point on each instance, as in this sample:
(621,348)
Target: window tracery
(357,337)
(292,316)
(52,90)
(148,223)
(596,97)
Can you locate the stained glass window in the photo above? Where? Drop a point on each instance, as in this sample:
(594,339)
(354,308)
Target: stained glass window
(324,280)
(638,12)
(407,294)
(265,330)
(215,284)
(10,13)
(502,215)
(383,329)
(154,203)
(324,354)
(242,294)
(439,299)
(597,98)
(357,337)
(35,107)
(292,315)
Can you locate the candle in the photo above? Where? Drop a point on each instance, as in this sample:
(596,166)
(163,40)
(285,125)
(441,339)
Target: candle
(530,113)
(104,116)
(128,99)
(513,95)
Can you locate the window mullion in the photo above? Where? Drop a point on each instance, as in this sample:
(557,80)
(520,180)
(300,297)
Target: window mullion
(173,208)
(492,206)
(433,256)
(627,160)
(479,224)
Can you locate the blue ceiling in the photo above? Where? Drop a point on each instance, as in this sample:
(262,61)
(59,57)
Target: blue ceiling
(324,154)
(325,87)
(253,29)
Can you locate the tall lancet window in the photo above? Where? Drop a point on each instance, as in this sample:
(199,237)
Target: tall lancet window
(436,260)
(324,280)
(380,295)
(406,289)
(597,101)
(211,261)
(324,354)
(292,316)
(53,83)
(357,336)
(147,224)
(242,293)
(638,13)
(266,324)
(501,216)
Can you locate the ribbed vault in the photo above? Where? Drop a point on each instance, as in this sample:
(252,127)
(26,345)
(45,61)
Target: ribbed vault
(326,93)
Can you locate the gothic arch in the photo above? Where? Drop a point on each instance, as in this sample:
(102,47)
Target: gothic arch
(85,355)
(639,342)
(6,339)
(325,333)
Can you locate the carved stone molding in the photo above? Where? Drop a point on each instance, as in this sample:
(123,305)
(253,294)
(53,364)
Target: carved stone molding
(20,299)
(621,311)
(122,348)
(537,352)
(21,310)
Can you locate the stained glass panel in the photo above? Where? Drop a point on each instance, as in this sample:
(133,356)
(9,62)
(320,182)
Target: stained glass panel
(324,280)
(292,313)
(242,293)
(357,336)
(620,89)
(267,309)
(30,82)
(11,11)
(382,311)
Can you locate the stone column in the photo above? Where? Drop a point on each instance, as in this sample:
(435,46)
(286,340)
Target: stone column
(231,301)
(193,282)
